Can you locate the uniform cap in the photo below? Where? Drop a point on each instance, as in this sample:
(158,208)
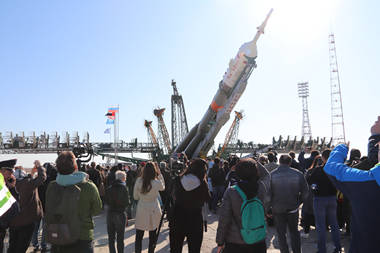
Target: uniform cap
(8,164)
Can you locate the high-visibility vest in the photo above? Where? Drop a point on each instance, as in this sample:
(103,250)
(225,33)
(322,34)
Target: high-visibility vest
(6,198)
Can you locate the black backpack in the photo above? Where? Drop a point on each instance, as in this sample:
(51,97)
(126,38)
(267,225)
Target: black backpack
(62,217)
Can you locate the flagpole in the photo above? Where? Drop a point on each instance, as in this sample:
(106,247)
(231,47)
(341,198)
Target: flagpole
(114,137)
(117,136)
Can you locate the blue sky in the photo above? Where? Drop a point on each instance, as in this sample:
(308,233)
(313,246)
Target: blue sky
(62,63)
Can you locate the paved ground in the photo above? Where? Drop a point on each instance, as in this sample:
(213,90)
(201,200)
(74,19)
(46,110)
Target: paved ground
(208,246)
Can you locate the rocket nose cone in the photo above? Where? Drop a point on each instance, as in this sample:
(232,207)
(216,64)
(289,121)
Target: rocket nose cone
(249,49)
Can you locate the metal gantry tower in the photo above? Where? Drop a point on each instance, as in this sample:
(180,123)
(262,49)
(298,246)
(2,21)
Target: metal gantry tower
(338,133)
(233,132)
(303,93)
(179,121)
(163,135)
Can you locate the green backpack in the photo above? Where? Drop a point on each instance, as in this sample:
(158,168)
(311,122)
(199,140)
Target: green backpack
(61,213)
(253,227)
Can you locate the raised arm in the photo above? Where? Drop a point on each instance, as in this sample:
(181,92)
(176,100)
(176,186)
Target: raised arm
(342,175)
(373,148)
(41,177)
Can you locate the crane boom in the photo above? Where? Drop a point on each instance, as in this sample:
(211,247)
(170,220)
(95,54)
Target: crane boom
(233,131)
(163,135)
(151,135)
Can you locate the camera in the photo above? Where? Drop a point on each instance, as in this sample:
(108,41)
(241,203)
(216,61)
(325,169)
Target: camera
(178,164)
(83,153)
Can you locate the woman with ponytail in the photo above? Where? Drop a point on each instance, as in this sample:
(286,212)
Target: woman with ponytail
(148,213)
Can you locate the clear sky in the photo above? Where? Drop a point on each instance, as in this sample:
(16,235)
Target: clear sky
(62,63)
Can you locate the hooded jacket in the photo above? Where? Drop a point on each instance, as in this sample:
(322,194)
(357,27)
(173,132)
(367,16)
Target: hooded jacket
(228,229)
(362,188)
(90,203)
(191,193)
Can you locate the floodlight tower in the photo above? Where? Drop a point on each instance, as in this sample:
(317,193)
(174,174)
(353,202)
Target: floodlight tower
(337,121)
(303,93)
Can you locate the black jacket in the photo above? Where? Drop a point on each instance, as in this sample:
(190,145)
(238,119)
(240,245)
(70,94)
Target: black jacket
(296,165)
(117,197)
(217,176)
(191,200)
(51,175)
(305,163)
(94,176)
(323,186)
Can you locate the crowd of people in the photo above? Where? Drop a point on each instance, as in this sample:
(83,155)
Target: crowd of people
(52,207)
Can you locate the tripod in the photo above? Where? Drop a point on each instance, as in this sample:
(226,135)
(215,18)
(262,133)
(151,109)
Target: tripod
(168,203)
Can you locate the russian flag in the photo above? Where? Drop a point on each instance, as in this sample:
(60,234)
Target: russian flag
(113,109)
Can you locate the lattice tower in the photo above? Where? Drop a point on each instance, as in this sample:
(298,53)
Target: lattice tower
(303,93)
(179,121)
(163,135)
(338,133)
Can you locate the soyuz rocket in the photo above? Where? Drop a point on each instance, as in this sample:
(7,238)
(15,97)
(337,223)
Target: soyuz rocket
(201,137)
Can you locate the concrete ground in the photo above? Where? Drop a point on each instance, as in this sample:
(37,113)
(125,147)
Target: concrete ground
(101,239)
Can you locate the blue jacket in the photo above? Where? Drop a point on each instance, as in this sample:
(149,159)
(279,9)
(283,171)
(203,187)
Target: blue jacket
(362,188)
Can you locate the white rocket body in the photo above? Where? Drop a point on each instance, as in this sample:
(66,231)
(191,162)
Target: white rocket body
(201,138)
